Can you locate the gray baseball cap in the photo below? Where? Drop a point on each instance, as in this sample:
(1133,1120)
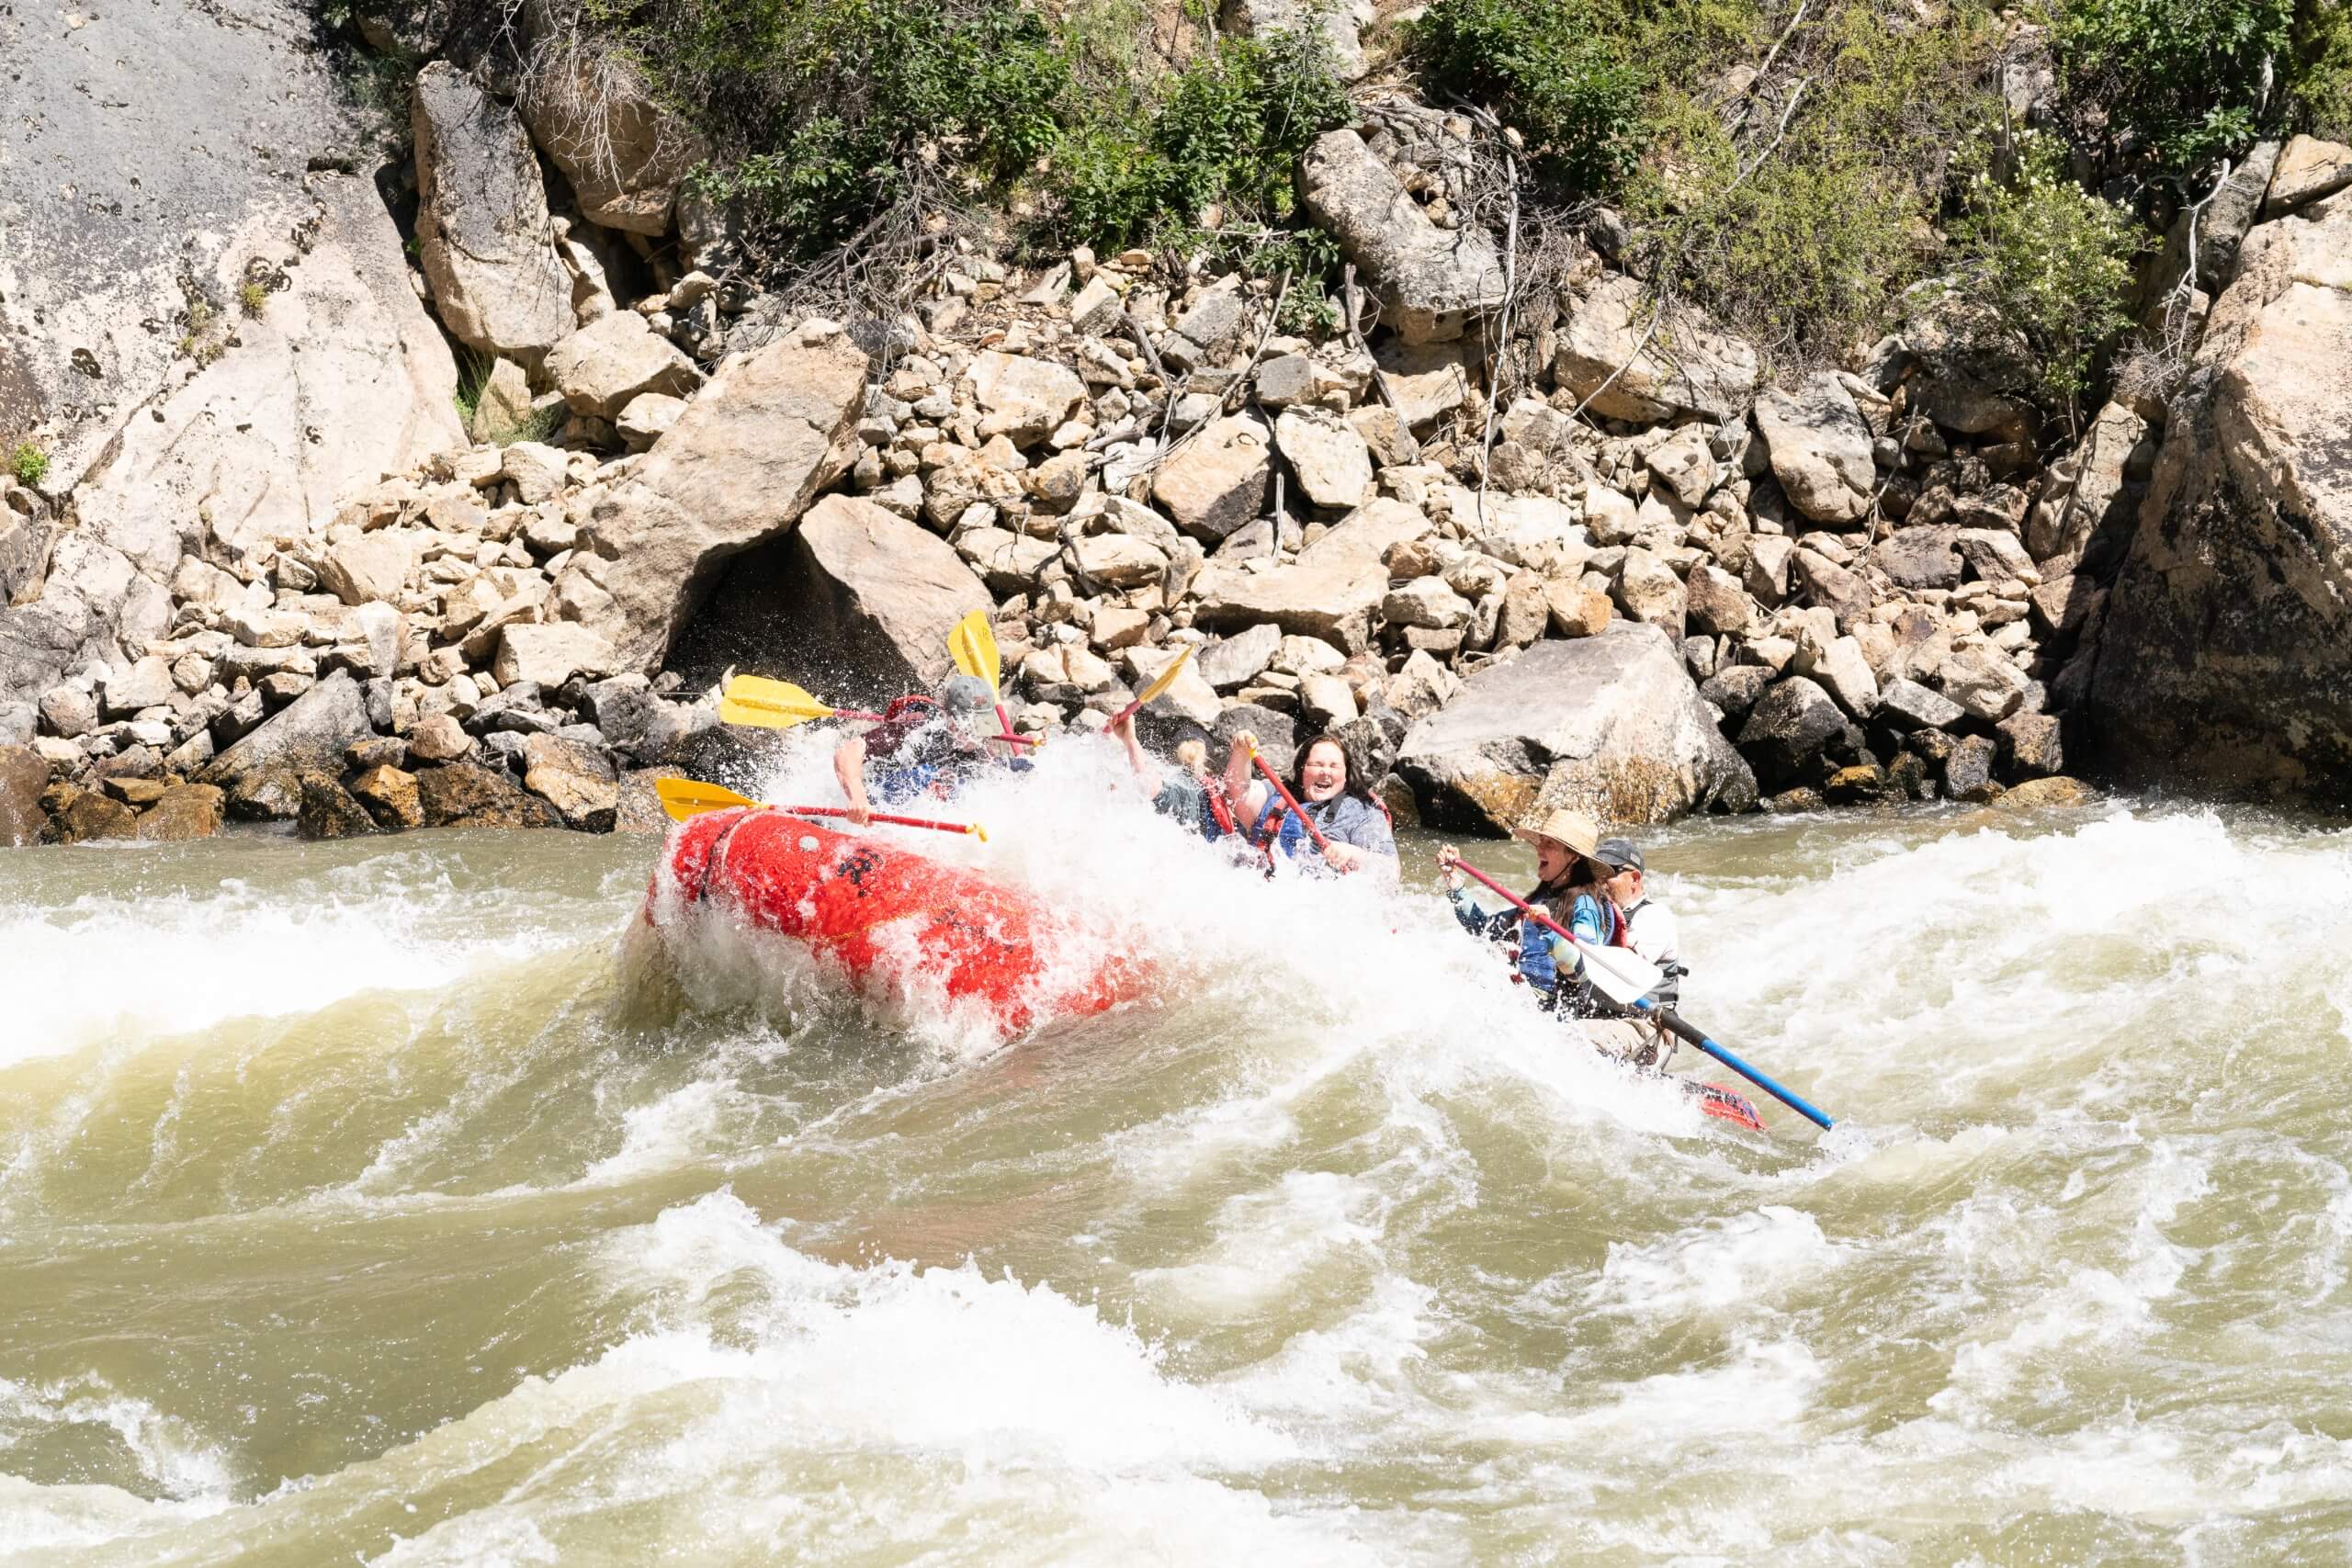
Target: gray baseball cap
(1622,853)
(966,694)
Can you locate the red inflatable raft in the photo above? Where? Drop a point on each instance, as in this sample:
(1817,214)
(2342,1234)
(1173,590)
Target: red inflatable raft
(897,922)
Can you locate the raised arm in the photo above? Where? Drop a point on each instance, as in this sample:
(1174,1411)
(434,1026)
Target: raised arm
(849,767)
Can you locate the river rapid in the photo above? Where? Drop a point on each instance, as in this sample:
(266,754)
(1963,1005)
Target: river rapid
(387,1202)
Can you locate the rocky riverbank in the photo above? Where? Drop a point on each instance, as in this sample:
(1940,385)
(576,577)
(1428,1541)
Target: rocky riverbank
(1653,580)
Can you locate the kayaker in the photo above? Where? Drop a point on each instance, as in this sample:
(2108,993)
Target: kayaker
(1355,830)
(1568,887)
(921,745)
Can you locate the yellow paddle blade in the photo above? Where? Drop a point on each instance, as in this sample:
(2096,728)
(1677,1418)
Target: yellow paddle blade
(771,704)
(1166,677)
(683,798)
(973,646)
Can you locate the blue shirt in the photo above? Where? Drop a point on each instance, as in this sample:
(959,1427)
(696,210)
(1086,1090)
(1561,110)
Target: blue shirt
(1542,954)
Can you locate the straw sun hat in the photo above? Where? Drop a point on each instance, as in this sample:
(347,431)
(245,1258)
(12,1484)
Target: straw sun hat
(1573,828)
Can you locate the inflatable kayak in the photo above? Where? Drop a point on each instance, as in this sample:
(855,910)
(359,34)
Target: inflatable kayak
(897,923)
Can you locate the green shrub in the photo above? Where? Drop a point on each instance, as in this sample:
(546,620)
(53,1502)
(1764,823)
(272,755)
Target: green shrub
(1228,129)
(28,463)
(1560,72)
(2183,80)
(2049,260)
(1802,239)
(252,297)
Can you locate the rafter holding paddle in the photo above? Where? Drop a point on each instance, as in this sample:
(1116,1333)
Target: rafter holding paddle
(973,646)
(763,703)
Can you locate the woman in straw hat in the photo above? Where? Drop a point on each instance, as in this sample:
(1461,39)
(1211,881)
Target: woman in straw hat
(1568,888)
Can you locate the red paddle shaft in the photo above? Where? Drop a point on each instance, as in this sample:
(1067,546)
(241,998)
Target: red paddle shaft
(1525,908)
(876,817)
(1283,790)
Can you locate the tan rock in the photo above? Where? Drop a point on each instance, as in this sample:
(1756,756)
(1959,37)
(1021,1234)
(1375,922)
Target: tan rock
(1651,594)
(1116,561)
(389,795)
(614,359)
(1430,282)
(2307,170)
(623,154)
(574,779)
(1023,398)
(1218,481)
(1687,366)
(1819,446)
(1576,609)
(1333,465)
(878,594)
(551,654)
(647,418)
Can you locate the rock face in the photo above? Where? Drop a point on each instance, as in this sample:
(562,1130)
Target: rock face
(872,596)
(2225,651)
(341,378)
(1608,354)
(482,231)
(750,453)
(1430,282)
(1339,24)
(623,156)
(1218,482)
(1608,725)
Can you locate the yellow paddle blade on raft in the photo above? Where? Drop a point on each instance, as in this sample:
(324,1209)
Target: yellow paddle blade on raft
(973,646)
(683,798)
(769,704)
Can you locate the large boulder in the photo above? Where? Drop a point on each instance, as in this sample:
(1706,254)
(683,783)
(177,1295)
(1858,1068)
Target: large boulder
(482,231)
(870,597)
(1329,592)
(311,731)
(1790,730)
(1430,282)
(591,112)
(1819,447)
(464,795)
(770,432)
(604,366)
(2223,655)
(1615,356)
(1608,725)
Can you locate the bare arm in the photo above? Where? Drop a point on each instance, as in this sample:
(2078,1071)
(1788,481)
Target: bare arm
(849,767)
(1237,787)
(1141,763)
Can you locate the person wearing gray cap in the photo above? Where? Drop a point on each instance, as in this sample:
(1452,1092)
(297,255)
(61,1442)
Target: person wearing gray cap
(1650,931)
(922,746)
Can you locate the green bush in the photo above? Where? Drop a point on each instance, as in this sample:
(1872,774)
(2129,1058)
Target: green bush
(1559,71)
(1228,129)
(2183,80)
(2049,260)
(28,463)
(1801,239)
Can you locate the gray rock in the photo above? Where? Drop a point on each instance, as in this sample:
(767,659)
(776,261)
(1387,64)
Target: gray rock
(614,360)
(576,779)
(329,811)
(463,795)
(482,232)
(1218,481)
(873,596)
(1735,688)
(1920,558)
(1330,591)
(1819,446)
(1430,283)
(69,711)
(1231,662)
(312,732)
(1983,683)
(1206,332)
(1609,725)
(1337,24)
(2032,744)
(1968,771)
(1791,728)
(1907,705)
(1278,735)
(1607,355)
(145,684)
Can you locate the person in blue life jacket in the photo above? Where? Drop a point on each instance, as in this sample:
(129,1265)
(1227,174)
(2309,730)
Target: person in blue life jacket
(1355,829)
(1569,887)
(922,746)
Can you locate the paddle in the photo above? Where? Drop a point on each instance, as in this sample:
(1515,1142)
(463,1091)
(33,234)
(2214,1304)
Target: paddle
(1626,977)
(683,798)
(1160,684)
(973,646)
(780,705)
(776,704)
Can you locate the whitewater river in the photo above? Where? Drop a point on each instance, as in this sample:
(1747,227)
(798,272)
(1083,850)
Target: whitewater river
(378,1202)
